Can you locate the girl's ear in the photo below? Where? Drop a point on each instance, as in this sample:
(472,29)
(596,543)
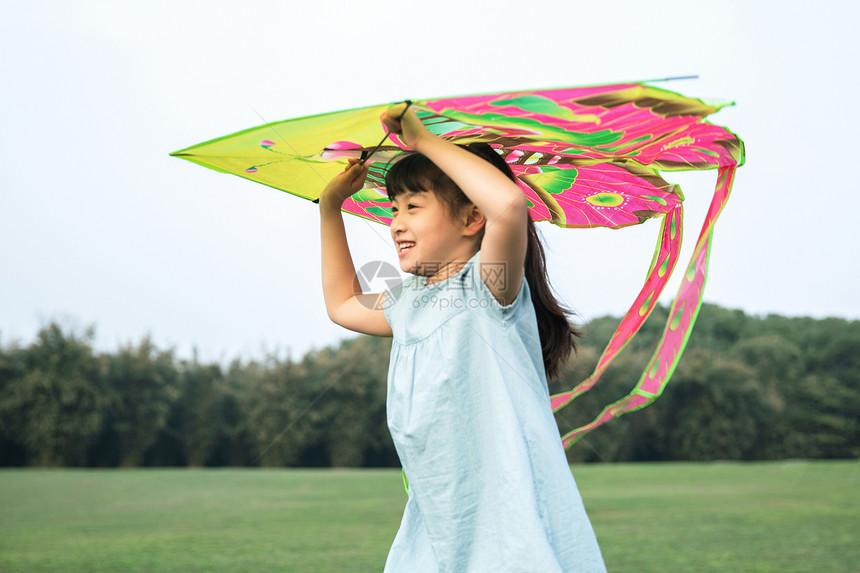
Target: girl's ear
(474,221)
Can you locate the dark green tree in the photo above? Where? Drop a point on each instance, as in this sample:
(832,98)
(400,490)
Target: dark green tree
(352,417)
(12,451)
(53,399)
(197,417)
(143,384)
(279,402)
(716,410)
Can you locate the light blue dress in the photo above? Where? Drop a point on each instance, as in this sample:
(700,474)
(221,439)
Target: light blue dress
(468,409)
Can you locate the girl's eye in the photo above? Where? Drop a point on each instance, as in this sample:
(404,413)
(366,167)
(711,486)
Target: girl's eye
(410,206)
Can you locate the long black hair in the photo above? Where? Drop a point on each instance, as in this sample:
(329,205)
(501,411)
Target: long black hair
(415,172)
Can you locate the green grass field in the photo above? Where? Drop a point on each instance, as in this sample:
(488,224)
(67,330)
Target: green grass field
(791,516)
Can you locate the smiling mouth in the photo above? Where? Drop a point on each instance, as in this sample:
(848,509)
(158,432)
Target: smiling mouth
(404,246)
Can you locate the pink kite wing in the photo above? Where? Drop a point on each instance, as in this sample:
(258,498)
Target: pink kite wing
(601,195)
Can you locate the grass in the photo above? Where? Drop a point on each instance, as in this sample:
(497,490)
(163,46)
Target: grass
(786,517)
(790,516)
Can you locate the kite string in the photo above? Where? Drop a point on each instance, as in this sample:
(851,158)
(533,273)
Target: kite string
(366,156)
(335,378)
(290,424)
(319,396)
(272,127)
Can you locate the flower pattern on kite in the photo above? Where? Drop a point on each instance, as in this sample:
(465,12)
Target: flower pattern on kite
(584,157)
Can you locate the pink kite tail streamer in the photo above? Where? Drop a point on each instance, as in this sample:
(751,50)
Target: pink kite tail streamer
(682,317)
(665,258)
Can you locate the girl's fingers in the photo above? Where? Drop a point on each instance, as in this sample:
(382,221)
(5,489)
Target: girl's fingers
(391,118)
(359,173)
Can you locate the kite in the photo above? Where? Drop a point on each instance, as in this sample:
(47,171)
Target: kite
(583,156)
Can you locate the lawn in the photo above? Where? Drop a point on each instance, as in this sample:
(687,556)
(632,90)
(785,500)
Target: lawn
(787,516)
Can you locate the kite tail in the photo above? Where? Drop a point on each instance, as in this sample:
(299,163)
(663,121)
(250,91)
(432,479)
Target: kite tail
(662,265)
(682,317)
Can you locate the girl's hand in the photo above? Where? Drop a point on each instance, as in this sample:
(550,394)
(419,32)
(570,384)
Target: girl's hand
(345,184)
(409,128)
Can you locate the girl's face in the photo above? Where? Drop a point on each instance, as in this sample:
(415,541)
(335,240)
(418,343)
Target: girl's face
(426,236)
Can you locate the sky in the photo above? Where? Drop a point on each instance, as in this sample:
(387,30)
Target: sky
(99,226)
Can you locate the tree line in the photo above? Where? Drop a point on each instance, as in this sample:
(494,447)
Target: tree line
(747,388)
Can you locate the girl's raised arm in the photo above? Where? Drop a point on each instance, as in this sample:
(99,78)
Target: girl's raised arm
(344,301)
(500,200)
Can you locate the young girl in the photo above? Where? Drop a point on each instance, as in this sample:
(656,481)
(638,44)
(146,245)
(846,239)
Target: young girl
(468,404)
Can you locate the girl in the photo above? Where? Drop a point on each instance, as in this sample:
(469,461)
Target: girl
(468,404)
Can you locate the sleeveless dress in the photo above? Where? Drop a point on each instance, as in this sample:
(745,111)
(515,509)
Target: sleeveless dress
(468,409)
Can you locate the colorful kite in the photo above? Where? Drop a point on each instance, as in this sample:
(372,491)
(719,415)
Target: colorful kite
(584,157)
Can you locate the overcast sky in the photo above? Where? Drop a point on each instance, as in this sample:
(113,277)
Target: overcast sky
(98,225)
